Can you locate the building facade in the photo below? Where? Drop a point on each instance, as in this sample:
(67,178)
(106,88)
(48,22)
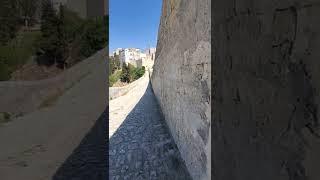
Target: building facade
(135,57)
(129,55)
(117,51)
(151,53)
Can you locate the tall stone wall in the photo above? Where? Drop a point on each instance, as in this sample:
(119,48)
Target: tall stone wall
(266,81)
(181,79)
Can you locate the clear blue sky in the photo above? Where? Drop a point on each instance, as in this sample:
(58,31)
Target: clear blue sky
(133,23)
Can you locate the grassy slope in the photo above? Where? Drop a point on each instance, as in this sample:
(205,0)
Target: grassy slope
(114,77)
(17,52)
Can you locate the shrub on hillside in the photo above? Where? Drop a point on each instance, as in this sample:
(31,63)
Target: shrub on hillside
(114,78)
(131,73)
(17,52)
(49,43)
(67,39)
(114,64)
(9,20)
(4,71)
(95,36)
(139,72)
(73,25)
(125,73)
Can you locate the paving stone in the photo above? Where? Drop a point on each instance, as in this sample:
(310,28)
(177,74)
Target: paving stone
(124,169)
(133,146)
(153,174)
(144,137)
(112,152)
(138,165)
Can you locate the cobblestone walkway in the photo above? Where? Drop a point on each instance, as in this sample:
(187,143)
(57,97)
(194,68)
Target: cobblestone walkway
(142,147)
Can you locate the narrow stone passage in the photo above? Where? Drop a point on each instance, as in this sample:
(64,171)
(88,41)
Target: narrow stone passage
(142,147)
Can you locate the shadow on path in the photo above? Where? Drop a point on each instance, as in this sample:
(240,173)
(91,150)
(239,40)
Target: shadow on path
(142,147)
(89,160)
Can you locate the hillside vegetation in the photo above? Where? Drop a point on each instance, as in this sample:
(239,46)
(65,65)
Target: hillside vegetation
(63,40)
(124,73)
(14,54)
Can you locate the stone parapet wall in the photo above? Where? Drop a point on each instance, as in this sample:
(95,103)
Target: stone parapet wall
(181,80)
(115,92)
(266,90)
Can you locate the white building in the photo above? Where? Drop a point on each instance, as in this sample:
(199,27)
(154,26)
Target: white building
(117,51)
(135,57)
(151,50)
(129,55)
(143,56)
(151,53)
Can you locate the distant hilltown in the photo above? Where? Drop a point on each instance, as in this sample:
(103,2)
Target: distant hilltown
(135,56)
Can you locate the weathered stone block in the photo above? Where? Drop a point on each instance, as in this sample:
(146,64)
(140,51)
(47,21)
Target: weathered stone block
(181,79)
(266,90)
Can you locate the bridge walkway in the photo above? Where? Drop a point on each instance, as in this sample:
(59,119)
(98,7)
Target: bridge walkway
(140,145)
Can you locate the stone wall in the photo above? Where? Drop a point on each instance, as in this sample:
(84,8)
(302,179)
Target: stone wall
(115,92)
(181,79)
(266,90)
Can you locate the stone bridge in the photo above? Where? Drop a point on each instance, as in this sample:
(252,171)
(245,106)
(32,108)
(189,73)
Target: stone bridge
(161,129)
(140,144)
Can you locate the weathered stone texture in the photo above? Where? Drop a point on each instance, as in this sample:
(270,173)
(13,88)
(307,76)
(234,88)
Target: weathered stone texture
(181,79)
(266,89)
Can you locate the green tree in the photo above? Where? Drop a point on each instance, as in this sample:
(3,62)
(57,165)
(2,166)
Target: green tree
(9,20)
(54,41)
(73,25)
(113,78)
(95,36)
(117,61)
(111,66)
(139,72)
(131,73)
(9,24)
(4,71)
(125,75)
(49,41)
(136,73)
(27,9)
(67,39)
(114,64)
(62,46)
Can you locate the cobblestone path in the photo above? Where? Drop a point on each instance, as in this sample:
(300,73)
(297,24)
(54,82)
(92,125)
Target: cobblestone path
(142,147)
